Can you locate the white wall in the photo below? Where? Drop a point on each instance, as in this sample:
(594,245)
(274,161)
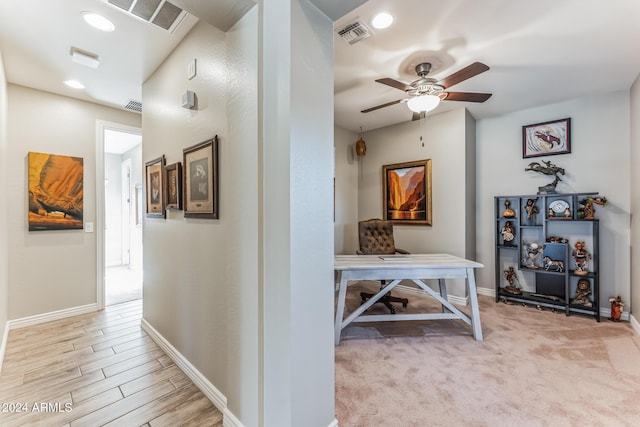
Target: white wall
(635,199)
(599,161)
(185,279)
(445,141)
(4,240)
(51,270)
(113,209)
(346,192)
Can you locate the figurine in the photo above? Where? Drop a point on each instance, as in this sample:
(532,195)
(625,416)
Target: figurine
(549,263)
(510,275)
(532,251)
(581,257)
(583,291)
(587,211)
(547,169)
(532,209)
(508,212)
(508,233)
(616,308)
(567,213)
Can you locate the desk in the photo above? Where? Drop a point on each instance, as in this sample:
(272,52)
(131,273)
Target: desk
(413,267)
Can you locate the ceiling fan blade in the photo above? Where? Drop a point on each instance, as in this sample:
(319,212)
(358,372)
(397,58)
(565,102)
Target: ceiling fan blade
(377,107)
(464,74)
(418,116)
(394,83)
(466,96)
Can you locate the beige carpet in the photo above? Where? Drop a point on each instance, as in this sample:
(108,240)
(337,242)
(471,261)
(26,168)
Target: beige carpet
(534,368)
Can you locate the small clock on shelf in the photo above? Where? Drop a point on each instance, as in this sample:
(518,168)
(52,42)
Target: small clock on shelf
(559,209)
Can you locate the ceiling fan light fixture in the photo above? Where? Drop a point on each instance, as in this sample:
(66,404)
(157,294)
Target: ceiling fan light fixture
(422,103)
(98,21)
(382,20)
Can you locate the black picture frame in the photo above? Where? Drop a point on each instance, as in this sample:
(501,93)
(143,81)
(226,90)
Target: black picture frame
(200,178)
(155,188)
(174,186)
(546,138)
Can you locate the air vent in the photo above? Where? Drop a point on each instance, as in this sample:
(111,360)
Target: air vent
(354,32)
(162,13)
(134,106)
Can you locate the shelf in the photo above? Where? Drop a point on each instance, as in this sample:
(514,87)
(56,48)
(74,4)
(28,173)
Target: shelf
(557,219)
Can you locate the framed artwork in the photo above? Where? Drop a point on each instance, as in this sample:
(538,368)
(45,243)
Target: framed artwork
(200,169)
(155,191)
(406,192)
(55,192)
(174,186)
(546,139)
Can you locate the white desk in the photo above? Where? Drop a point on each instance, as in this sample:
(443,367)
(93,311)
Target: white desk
(416,268)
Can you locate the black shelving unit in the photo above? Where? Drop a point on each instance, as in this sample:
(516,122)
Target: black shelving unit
(553,224)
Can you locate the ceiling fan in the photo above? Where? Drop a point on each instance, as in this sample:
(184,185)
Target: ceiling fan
(425,93)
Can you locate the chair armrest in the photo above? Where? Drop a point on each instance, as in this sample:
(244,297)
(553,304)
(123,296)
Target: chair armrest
(402,251)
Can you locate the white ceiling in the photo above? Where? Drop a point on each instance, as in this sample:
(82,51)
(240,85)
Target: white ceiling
(539,52)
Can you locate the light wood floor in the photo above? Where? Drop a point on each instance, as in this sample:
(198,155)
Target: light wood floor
(96,369)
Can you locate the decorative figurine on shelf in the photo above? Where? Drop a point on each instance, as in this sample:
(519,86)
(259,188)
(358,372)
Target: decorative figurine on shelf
(508,233)
(616,308)
(583,291)
(532,209)
(557,239)
(511,276)
(508,212)
(581,257)
(547,169)
(550,264)
(532,251)
(587,211)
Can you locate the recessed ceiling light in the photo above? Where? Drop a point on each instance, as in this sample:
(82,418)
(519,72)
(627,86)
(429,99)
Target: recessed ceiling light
(382,20)
(98,21)
(74,84)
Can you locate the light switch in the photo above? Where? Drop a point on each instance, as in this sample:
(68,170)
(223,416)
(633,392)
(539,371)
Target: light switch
(88,227)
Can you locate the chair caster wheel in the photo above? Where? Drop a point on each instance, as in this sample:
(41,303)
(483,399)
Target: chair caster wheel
(405,304)
(392,310)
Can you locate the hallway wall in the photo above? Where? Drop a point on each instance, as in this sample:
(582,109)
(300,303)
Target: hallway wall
(51,270)
(4,241)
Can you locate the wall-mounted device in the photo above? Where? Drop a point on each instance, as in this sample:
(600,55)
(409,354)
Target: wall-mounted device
(189,100)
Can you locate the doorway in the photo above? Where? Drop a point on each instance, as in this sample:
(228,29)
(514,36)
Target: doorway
(122,226)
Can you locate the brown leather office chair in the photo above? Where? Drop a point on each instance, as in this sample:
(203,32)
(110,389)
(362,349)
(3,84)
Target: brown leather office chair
(376,238)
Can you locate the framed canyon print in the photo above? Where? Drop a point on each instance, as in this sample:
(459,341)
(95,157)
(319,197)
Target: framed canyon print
(155,191)
(174,186)
(55,192)
(406,192)
(546,139)
(200,170)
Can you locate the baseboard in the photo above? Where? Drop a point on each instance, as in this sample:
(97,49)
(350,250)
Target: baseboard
(49,317)
(488,292)
(634,324)
(453,299)
(3,345)
(213,394)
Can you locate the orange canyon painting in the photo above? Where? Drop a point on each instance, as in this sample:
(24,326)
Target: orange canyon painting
(406,198)
(55,192)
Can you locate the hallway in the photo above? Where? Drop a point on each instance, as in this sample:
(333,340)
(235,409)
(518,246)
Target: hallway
(97,369)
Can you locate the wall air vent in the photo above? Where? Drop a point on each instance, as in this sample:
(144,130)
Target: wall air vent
(354,32)
(134,106)
(162,13)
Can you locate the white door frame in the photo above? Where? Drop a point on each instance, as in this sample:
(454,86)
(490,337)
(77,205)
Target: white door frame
(101,127)
(125,170)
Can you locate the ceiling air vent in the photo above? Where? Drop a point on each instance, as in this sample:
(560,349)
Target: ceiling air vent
(134,106)
(162,13)
(354,32)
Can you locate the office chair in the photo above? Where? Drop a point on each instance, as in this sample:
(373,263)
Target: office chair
(376,238)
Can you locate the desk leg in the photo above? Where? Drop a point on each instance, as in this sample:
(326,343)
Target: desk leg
(342,294)
(443,293)
(473,301)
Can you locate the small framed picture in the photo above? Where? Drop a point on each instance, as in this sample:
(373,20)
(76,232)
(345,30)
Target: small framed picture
(155,180)
(200,172)
(546,139)
(174,186)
